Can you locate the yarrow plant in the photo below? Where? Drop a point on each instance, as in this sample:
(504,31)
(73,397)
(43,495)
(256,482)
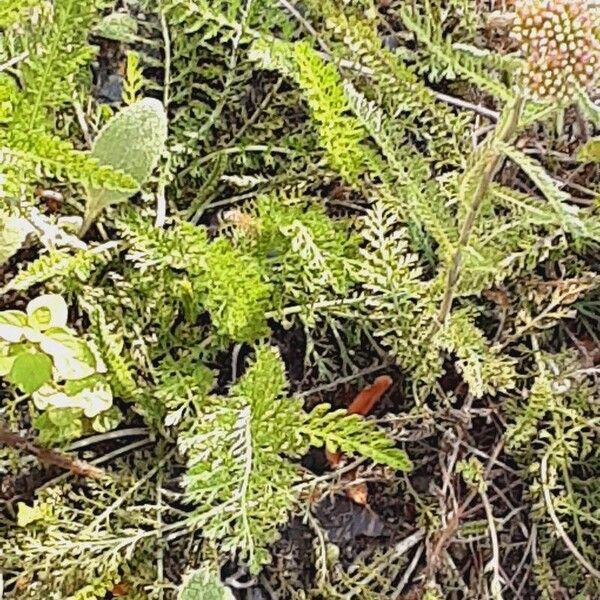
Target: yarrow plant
(222,221)
(558,42)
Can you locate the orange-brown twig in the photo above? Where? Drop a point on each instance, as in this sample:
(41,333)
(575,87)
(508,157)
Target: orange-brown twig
(367,398)
(51,457)
(363,404)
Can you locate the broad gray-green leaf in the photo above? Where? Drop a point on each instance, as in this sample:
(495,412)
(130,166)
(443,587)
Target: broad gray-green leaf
(132,141)
(30,371)
(118,27)
(204,585)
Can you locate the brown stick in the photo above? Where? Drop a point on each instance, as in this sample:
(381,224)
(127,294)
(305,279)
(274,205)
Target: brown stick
(51,457)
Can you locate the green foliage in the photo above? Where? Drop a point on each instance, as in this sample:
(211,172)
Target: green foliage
(341,135)
(54,61)
(100,533)
(12,12)
(350,433)
(63,269)
(55,46)
(110,347)
(235,295)
(590,151)
(393,103)
(221,279)
(567,215)
(134,79)
(211,68)
(472,472)
(30,371)
(240,473)
(304,253)
(131,142)
(527,423)
(456,63)
(46,360)
(484,369)
(319,194)
(58,426)
(551,434)
(204,585)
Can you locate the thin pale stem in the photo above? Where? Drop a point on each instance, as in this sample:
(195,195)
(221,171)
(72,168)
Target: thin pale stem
(493,163)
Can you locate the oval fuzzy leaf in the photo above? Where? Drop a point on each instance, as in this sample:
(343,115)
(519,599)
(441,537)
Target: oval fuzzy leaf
(132,141)
(119,27)
(30,371)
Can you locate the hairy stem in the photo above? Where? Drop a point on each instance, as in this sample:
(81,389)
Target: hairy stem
(91,214)
(505,133)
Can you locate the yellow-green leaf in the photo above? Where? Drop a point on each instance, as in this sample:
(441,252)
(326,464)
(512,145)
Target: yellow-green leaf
(29,514)
(590,151)
(30,371)
(12,325)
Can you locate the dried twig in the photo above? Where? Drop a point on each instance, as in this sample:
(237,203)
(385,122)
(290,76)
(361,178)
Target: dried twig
(582,560)
(51,457)
(13,61)
(497,580)
(447,534)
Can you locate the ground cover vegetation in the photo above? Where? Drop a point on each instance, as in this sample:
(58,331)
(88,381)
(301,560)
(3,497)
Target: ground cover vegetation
(299,299)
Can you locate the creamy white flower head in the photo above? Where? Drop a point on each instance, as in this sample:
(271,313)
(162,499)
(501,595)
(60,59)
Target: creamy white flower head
(560,48)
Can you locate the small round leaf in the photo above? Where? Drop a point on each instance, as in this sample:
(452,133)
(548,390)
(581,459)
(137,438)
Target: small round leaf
(30,371)
(47,311)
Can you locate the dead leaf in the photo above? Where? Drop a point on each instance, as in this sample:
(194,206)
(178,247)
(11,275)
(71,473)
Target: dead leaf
(358,493)
(120,590)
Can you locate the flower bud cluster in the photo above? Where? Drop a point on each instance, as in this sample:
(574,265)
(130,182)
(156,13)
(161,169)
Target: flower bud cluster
(560,48)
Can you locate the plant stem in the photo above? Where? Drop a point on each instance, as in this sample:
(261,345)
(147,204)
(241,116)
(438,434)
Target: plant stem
(505,133)
(83,469)
(90,215)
